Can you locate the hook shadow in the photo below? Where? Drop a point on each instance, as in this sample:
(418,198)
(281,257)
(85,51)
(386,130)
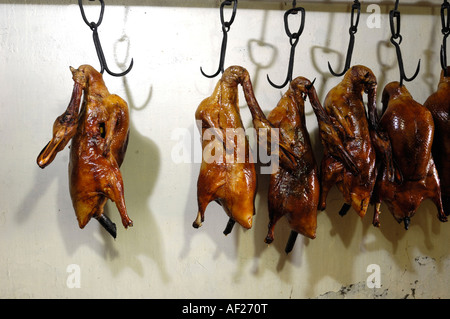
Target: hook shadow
(255,46)
(140,173)
(72,236)
(214,216)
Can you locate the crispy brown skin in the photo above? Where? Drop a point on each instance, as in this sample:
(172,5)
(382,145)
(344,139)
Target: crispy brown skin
(439,105)
(348,136)
(410,128)
(227,175)
(294,193)
(99,133)
(294,186)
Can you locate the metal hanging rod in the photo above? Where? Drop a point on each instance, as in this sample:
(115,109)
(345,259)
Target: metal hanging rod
(313,5)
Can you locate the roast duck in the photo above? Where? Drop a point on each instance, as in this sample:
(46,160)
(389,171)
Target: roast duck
(227,172)
(439,105)
(99,132)
(410,128)
(294,188)
(350,140)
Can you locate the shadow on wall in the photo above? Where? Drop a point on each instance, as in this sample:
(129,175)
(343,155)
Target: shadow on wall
(321,54)
(213,225)
(261,53)
(140,172)
(431,49)
(56,173)
(353,237)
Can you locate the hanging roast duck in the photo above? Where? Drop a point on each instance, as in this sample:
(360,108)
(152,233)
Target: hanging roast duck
(99,133)
(439,105)
(227,173)
(410,128)
(294,186)
(350,141)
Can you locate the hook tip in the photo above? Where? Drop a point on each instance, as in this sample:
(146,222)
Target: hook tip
(334,73)
(277,86)
(105,68)
(417,71)
(209,76)
(311,84)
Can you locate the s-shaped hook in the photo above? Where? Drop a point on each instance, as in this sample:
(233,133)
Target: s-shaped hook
(225,28)
(293,39)
(394,15)
(352,31)
(98,47)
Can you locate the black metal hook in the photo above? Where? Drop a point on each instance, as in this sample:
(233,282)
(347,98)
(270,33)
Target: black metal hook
(98,47)
(395,31)
(293,39)
(225,28)
(445,31)
(352,31)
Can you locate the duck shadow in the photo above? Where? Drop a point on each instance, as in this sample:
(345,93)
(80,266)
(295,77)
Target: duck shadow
(215,219)
(140,172)
(45,179)
(424,232)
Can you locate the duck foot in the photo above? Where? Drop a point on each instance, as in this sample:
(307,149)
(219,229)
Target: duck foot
(108,225)
(229,227)
(344,209)
(291,242)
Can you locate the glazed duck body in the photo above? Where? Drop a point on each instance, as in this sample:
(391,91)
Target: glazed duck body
(439,105)
(227,173)
(97,152)
(410,128)
(294,192)
(99,132)
(349,154)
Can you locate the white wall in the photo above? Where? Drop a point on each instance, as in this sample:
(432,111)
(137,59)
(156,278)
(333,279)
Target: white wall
(162,256)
